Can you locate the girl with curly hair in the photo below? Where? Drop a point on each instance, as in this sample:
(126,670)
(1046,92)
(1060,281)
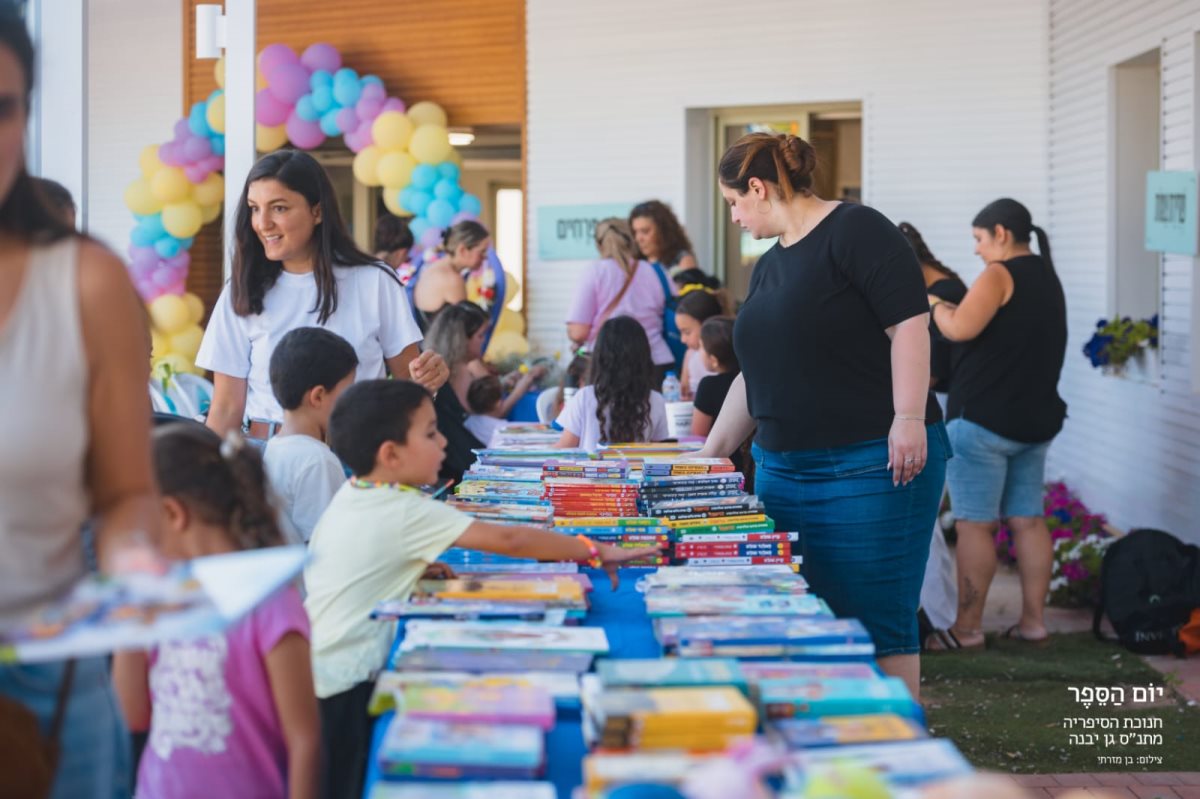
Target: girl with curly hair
(619,403)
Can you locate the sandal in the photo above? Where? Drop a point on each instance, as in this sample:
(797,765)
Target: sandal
(947,641)
(1014,633)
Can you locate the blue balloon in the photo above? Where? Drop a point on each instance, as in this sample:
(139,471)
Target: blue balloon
(447,190)
(405,196)
(320,78)
(469,204)
(216,93)
(186,244)
(417,226)
(448,170)
(329,125)
(346,93)
(217,140)
(168,246)
(372,79)
(440,213)
(424,176)
(322,99)
(148,230)
(418,201)
(306,110)
(198,120)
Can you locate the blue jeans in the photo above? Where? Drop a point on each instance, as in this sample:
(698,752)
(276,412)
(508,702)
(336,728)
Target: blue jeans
(994,477)
(864,541)
(94,760)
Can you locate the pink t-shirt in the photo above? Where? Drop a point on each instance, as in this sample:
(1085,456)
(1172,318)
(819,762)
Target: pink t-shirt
(644,301)
(214,730)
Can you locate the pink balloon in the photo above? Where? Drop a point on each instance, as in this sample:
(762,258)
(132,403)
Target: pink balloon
(394,104)
(178,288)
(269,110)
(163,277)
(196,148)
(196,173)
(346,120)
(142,257)
(374,91)
(431,237)
(171,154)
(288,82)
(368,108)
(304,134)
(148,291)
(322,56)
(181,130)
(275,54)
(214,163)
(180,262)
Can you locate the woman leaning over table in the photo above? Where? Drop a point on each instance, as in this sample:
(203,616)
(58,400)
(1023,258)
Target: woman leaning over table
(295,265)
(833,340)
(74,445)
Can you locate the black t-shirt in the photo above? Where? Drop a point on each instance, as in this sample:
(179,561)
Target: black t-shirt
(710,396)
(451,422)
(943,354)
(811,336)
(1006,378)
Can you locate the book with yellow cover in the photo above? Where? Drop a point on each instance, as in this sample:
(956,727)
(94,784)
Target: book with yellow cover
(552,590)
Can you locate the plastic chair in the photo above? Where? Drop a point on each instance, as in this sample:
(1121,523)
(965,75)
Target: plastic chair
(160,402)
(545,405)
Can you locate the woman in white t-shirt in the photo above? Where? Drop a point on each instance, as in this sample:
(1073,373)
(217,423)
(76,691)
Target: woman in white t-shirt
(295,265)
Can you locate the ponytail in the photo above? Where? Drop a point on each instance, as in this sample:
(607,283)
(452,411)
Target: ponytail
(222,482)
(924,255)
(1043,246)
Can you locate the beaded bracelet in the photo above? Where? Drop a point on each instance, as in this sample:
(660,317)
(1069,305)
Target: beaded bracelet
(594,560)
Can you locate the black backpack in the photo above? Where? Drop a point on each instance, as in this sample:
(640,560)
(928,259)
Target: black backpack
(1149,585)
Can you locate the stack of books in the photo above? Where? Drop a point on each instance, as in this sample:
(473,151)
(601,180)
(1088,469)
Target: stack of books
(733,601)
(825,731)
(606,771)
(638,452)
(665,467)
(482,701)
(670,673)
(594,469)
(591,496)
(497,789)
(798,638)
(524,434)
(514,596)
(791,698)
(563,687)
(708,719)
(622,531)
(518,513)
(414,748)
(497,647)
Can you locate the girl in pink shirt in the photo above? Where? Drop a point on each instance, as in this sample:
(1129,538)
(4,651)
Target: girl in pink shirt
(232,714)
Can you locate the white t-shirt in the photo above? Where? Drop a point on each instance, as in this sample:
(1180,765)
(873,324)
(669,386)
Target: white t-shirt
(484,427)
(371,544)
(579,417)
(372,314)
(305,475)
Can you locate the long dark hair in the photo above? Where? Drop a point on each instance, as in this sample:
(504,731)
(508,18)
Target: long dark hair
(222,482)
(1016,219)
(254,273)
(924,255)
(672,238)
(622,375)
(26,212)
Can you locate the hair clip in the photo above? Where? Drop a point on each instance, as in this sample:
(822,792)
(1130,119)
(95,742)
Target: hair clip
(232,444)
(690,287)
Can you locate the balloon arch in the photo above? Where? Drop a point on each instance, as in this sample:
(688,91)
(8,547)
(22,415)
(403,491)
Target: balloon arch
(301,99)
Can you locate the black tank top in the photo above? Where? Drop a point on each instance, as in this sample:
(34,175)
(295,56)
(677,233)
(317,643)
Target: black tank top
(1006,379)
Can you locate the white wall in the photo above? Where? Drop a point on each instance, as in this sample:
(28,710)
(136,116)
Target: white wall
(1130,446)
(135,96)
(955,97)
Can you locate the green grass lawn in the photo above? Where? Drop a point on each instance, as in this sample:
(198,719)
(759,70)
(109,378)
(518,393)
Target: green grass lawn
(1004,707)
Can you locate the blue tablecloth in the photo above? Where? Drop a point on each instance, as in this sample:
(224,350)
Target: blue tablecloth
(622,614)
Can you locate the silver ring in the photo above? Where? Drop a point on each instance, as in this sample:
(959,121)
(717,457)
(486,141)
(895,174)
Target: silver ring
(910,460)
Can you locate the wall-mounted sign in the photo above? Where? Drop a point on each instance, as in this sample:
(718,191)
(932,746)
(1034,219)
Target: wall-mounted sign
(567,232)
(1171,212)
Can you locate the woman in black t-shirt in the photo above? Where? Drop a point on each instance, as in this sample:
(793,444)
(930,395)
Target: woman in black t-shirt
(833,340)
(1004,411)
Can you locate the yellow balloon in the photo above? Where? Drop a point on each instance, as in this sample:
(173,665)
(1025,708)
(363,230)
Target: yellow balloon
(210,191)
(269,139)
(149,161)
(195,307)
(455,157)
(219,71)
(216,114)
(395,170)
(182,220)
(512,287)
(366,165)
(391,199)
(430,144)
(160,345)
(427,113)
(391,130)
(510,320)
(209,213)
(139,198)
(187,342)
(506,343)
(170,185)
(169,314)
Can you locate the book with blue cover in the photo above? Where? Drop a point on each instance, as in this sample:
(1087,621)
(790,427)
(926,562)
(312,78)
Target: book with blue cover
(733,601)
(496,789)
(562,686)
(491,660)
(425,747)
(670,672)
(779,578)
(781,699)
(902,764)
(812,733)
(487,701)
(747,630)
(421,634)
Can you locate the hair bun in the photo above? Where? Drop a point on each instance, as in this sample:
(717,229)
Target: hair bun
(798,156)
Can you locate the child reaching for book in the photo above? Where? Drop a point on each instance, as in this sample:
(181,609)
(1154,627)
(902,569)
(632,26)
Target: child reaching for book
(375,541)
(696,304)
(310,369)
(488,405)
(619,403)
(231,714)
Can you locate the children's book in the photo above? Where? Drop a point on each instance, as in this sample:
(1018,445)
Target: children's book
(552,590)
(484,701)
(562,686)
(138,611)
(732,601)
(670,672)
(410,742)
(693,465)
(421,634)
(492,660)
(757,672)
(842,730)
(521,568)
(426,608)
(606,770)
(775,578)
(902,764)
(781,699)
(496,789)
(698,719)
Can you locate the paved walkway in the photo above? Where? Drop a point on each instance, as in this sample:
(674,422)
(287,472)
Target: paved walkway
(1163,785)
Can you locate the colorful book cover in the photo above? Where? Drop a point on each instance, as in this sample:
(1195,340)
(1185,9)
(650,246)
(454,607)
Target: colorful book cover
(750,630)
(491,660)
(495,789)
(562,686)
(802,699)
(780,578)
(842,730)
(706,522)
(607,770)
(484,701)
(550,589)
(693,537)
(686,465)
(902,764)
(757,672)
(522,568)
(732,549)
(421,634)
(414,741)
(733,602)
(429,608)
(746,560)
(670,672)
(138,611)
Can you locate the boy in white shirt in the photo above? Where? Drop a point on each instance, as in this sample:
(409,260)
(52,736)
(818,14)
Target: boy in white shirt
(310,368)
(375,541)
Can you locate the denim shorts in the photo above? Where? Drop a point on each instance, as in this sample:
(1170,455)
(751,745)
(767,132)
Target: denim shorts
(864,541)
(992,477)
(95,751)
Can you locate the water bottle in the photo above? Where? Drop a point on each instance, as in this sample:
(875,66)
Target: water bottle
(670,388)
